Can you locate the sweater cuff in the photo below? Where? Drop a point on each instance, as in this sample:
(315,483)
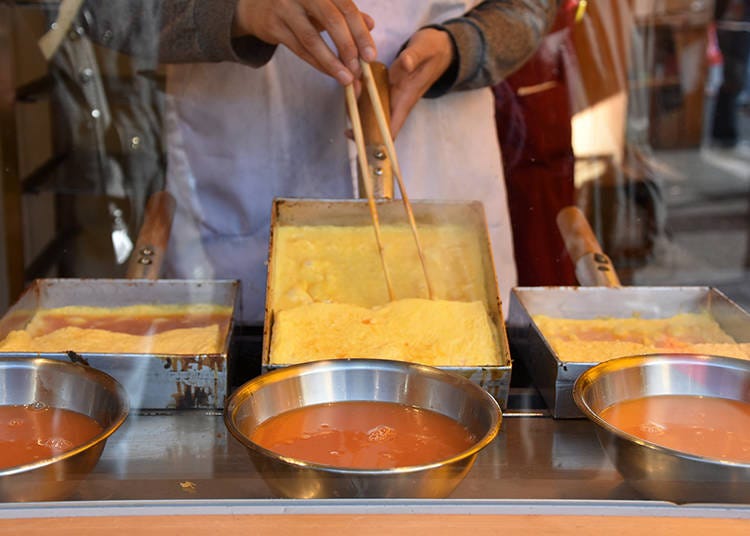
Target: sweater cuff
(213,22)
(252,51)
(448,79)
(466,36)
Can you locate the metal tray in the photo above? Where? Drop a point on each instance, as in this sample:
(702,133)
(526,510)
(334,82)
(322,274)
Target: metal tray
(293,212)
(153,381)
(555,378)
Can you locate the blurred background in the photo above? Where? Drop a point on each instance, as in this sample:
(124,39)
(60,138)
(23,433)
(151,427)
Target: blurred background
(646,126)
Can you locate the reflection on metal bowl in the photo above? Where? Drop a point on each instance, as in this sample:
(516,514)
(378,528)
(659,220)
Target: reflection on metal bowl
(339,380)
(654,471)
(62,385)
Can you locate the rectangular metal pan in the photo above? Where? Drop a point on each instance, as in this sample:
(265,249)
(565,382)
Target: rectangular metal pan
(153,381)
(296,212)
(555,378)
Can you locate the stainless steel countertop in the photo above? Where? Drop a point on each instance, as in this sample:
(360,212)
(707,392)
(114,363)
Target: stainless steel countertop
(185,462)
(190,455)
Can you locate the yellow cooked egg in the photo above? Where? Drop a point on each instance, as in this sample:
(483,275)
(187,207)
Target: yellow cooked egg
(180,329)
(599,339)
(340,264)
(431,332)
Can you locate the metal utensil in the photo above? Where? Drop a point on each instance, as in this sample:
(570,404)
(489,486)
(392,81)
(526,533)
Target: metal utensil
(362,379)
(67,386)
(153,381)
(600,295)
(555,377)
(655,471)
(310,212)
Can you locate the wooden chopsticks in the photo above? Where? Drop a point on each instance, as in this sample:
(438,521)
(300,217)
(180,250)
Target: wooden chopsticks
(359,140)
(385,131)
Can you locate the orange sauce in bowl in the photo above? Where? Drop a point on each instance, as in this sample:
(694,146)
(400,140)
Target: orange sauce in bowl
(362,435)
(32,433)
(711,427)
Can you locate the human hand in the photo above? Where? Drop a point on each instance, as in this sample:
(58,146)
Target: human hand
(420,64)
(297,24)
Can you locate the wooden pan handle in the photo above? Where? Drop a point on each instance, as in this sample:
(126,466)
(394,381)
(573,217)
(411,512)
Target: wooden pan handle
(576,232)
(151,245)
(593,267)
(377,159)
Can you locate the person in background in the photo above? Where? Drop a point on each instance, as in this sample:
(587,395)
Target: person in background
(533,114)
(734,44)
(251,115)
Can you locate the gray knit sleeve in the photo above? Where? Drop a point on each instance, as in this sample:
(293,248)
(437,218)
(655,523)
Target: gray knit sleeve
(493,40)
(173,31)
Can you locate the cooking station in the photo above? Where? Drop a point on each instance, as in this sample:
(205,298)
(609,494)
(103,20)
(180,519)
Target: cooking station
(177,468)
(170,462)
(189,455)
(185,462)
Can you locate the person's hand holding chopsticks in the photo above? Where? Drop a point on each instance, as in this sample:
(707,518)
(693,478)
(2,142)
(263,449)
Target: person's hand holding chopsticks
(297,24)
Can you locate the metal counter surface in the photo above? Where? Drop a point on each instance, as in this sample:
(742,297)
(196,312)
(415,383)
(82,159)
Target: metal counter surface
(190,455)
(185,463)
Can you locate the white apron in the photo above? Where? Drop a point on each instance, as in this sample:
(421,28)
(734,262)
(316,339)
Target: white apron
(239,137)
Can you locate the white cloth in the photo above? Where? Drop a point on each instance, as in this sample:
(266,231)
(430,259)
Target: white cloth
(239,137)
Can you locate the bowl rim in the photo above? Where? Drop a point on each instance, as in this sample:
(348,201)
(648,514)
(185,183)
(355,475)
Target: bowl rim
(234,401)
(99,377)
(637,361)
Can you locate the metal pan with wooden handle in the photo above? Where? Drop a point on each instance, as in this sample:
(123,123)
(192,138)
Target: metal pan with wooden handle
(600,295)
(383,168)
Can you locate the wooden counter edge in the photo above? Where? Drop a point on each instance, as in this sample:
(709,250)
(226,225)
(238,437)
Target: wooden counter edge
(377,524)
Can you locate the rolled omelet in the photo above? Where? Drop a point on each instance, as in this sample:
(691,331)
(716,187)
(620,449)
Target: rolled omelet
(185,341)
(342,264)
(179,329)
(431,332)
(600,339)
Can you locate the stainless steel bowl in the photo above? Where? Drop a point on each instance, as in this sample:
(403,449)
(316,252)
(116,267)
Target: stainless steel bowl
(63,385)
(658,472)
(362,379)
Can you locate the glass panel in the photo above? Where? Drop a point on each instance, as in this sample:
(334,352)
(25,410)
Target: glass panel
(182,172)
